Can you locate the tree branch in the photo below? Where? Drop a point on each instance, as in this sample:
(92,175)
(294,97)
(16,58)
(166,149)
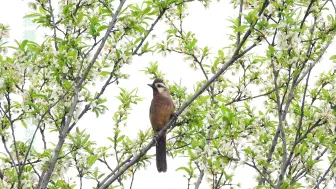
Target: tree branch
(150,30)
(199,179)
(46,177)
(325,174)
(132,160)
(53,24)
(239,20)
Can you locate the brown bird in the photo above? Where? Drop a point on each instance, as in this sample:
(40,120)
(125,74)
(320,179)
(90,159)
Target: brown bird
(161,109)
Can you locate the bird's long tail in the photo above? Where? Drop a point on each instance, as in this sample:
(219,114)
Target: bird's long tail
(161,161)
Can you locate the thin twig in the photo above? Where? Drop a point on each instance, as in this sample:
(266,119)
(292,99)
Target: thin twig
(46,177)
(239,20)
(325,174)
(54,24)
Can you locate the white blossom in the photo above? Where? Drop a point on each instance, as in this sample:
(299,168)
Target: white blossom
(65,69)
(3,32)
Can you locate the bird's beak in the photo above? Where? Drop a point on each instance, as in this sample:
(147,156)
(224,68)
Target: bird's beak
(151,85)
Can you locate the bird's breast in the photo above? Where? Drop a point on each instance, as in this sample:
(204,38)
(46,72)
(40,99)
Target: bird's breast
(161,110)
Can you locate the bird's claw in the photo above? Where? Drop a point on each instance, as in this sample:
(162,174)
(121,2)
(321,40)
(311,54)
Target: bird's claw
(173,115)
(156,138)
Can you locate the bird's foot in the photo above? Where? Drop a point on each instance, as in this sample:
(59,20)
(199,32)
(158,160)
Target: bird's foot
(173,115)
(156,138)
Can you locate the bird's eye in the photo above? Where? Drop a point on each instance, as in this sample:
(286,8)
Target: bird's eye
(160,86)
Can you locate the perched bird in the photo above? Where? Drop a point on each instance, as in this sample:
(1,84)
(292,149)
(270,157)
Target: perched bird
(161,109)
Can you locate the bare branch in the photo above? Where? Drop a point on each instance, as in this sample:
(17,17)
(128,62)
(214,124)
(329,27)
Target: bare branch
(8,152)
(51,11)
(284,112)
(150,30)
(102,43)
(199,179)
(239,20)
(325,174)
(286,162)
(43,184)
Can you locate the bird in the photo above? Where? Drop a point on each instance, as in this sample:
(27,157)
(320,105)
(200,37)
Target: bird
(161,110)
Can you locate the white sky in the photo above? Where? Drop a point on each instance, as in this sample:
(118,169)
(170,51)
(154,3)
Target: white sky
(211,29)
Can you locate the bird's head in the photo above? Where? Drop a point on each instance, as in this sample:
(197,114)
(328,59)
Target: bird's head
(158,86)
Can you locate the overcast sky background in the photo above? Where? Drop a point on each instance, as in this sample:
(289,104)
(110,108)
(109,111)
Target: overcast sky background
(211,29)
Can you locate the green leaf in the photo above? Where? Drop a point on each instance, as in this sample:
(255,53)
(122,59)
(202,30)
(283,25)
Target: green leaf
(39,96)
(24,124)
(240,28)
(205,51)
(66,84)
(271,49)
(92,159)
(101,28)
(93,30)
(221,53)
(184,169)
(147,10)
(192,43)
(121,138)
(31,15)
(145,47)
(23,44)
(333,57)
(110,139)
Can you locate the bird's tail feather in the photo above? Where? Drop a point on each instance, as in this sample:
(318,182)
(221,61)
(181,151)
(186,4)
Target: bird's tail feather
(161,161)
